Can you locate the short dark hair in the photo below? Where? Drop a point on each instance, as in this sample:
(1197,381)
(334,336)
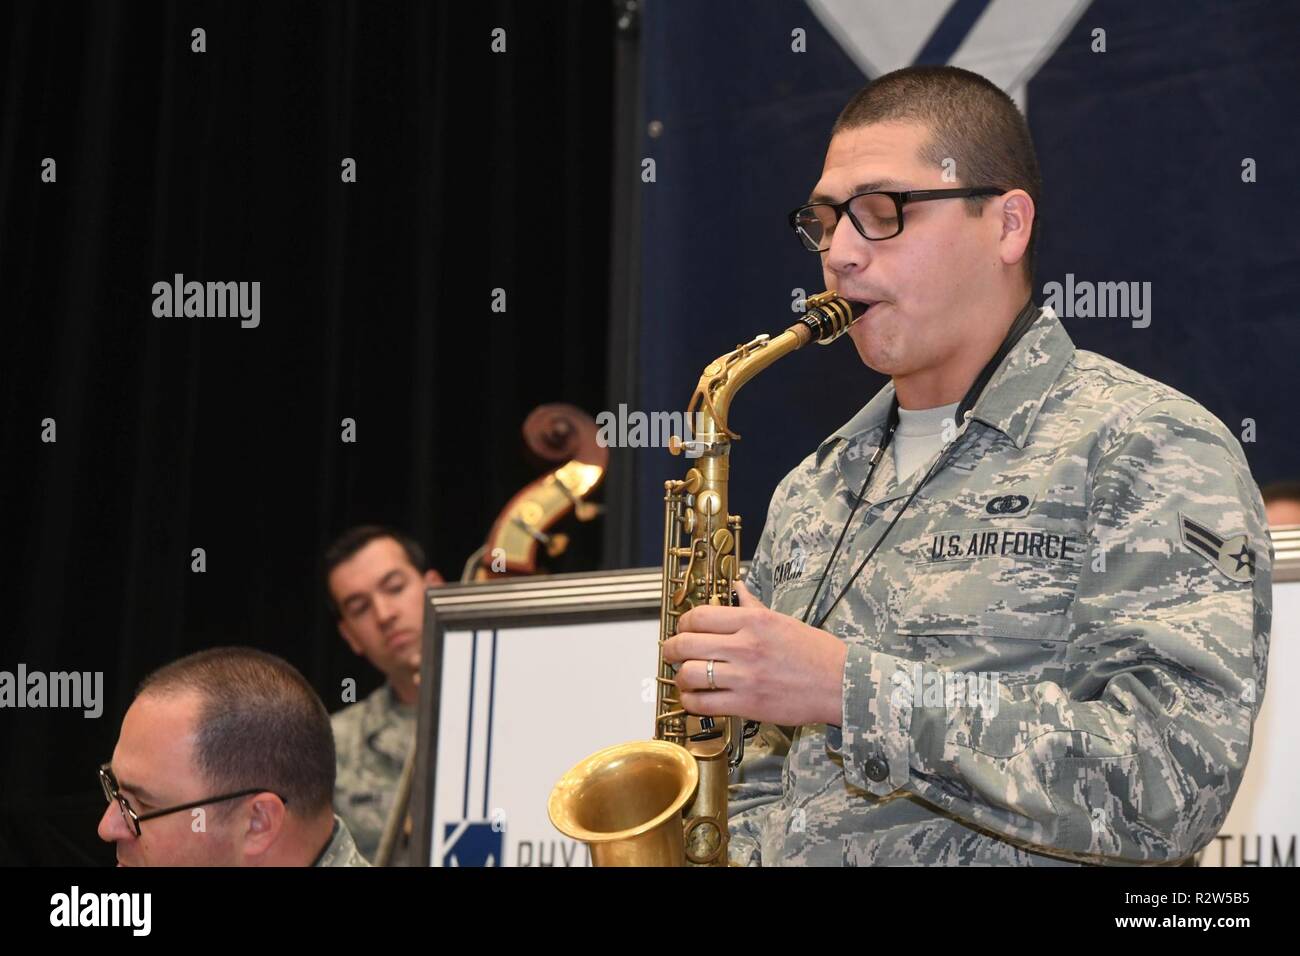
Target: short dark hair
(1280,491)
(971,121)
(260,725)
(353,540)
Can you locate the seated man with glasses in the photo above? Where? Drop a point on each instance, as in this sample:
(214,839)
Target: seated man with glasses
(1016,610)
(225,758)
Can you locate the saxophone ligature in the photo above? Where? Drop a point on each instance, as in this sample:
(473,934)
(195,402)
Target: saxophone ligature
(663,802)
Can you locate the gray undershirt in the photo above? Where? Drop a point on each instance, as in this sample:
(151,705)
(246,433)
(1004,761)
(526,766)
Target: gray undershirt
(920,436)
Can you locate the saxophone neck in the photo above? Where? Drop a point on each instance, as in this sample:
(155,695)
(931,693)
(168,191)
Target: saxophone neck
(722,378)
(826,317)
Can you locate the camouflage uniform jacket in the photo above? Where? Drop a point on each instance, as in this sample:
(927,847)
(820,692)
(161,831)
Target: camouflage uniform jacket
(1087,571)
(341,850)
(371,740)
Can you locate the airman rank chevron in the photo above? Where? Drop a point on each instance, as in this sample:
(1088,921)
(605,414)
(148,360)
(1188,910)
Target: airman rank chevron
(1234,557)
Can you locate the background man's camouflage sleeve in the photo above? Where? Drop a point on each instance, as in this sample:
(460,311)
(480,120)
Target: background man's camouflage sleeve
(371,740)
(1137,752)
(758,780)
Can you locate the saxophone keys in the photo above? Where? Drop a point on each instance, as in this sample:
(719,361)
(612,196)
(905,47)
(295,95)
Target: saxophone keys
(727,567)
(703,841)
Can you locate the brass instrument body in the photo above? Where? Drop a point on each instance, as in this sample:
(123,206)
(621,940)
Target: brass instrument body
(630,803)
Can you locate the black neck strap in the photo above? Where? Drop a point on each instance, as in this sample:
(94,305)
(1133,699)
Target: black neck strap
(1014,334)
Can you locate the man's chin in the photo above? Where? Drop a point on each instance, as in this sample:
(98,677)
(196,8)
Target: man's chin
(875,358)
(402,668)
(877,340)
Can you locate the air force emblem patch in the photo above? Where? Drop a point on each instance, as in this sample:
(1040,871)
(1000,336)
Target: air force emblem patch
(1233,556)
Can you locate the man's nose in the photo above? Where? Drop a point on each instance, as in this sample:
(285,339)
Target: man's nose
(112,826)
(386,608)
(849,252)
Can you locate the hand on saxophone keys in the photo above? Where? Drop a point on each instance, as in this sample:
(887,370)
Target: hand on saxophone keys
(765,666)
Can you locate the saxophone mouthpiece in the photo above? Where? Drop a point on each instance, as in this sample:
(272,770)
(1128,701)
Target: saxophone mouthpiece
(829,315)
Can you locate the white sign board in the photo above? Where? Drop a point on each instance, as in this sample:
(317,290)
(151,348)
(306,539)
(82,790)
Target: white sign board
(519,707)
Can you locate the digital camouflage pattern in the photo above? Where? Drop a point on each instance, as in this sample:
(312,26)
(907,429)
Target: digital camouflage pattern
(1091,561)
(341,850)
(371,740)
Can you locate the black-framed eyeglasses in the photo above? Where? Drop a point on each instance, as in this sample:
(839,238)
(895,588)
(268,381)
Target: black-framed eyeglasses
(876,215)
(113,793)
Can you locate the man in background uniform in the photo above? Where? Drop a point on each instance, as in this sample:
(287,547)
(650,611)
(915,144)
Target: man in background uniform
(1032,629)
(375,578)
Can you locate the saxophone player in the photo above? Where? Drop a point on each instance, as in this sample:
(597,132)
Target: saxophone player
(1015,611)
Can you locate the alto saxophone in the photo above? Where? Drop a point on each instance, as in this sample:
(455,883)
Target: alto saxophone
(663,802)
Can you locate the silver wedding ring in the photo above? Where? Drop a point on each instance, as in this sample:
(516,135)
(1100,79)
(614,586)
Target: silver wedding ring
(712,686)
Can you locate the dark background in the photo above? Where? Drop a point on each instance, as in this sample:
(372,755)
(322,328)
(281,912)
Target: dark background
(474,171)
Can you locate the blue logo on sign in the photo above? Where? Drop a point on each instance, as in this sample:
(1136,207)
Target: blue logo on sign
(472,844)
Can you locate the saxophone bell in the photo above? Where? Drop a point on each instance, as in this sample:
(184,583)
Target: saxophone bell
(625,802)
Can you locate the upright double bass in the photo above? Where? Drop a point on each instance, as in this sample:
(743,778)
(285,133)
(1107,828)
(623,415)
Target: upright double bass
(559,434)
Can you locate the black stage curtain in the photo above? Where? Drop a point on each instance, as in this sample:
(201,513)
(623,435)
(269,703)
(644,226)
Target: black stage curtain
(475,171)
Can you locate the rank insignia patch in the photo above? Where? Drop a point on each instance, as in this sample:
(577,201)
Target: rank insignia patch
(1233,556)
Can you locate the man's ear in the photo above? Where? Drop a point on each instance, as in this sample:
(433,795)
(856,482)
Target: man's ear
(352,642)
(1017,225)
(265,824)
(433,579)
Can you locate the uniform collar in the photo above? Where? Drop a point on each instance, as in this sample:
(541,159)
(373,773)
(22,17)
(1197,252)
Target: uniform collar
(329,844)
(394,703)
(1016,389)
(341,850)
